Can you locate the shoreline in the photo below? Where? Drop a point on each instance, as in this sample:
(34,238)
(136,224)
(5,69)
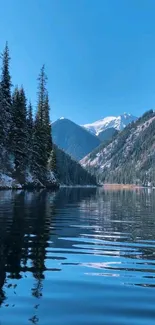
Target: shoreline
(78,186)
(29,187)
(52,188)
(125,187)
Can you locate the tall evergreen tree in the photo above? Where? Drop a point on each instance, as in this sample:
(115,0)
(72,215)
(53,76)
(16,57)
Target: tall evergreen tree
(19,134)
(5,111)
(47,124)
(52,163)
(15,104)
(30,126)
(40,155)
(5,100)
(42,80)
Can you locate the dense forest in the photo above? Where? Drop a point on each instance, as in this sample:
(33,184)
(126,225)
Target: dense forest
(27,154)
(73,173)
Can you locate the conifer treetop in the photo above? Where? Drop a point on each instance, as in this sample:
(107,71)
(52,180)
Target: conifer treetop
(5,75)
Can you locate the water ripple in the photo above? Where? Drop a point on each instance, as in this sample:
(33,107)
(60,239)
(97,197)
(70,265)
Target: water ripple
(80,256)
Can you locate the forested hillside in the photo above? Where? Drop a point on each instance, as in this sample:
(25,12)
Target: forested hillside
(129,157)
(70,172)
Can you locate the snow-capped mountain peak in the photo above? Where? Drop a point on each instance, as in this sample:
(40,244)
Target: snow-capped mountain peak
(117,122)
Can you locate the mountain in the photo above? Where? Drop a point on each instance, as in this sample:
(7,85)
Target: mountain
(70,172)
(129,157)
(73,139)
(107,134)
(116,122)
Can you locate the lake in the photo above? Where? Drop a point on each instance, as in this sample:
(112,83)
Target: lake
(77,256)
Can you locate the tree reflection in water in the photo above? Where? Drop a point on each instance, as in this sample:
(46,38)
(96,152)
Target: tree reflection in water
(32,223)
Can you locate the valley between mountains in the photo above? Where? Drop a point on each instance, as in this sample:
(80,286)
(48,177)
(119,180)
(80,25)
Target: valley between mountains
(35,153)
(126,150)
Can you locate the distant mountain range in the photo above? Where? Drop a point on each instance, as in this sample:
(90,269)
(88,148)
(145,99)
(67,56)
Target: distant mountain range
(116,122)
(73,139)
(129,157)
(78,141)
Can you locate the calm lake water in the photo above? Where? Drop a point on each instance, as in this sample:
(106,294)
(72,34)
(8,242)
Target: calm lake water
(78,256)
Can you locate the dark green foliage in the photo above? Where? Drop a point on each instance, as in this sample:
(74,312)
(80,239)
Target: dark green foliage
(52,163)
(39,158)
(5,99)
(5,111)
(26,150)
(42,139)
(47,124)
(19,134)
(70,172)
(30,126)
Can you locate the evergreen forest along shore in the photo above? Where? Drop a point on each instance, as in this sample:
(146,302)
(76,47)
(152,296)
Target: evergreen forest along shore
(28,158)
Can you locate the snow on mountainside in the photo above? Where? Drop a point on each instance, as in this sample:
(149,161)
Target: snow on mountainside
(117,122)
(129,157)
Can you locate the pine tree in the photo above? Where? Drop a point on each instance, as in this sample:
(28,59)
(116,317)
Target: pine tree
(47,124)
(40,154)
(52,163)
(30,127)
(15,104)
(19,134)
(37,154)
(5,96)
(42,79)
(5,108)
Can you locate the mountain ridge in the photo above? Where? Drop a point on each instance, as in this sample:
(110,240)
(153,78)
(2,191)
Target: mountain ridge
(116,122)
(129,157)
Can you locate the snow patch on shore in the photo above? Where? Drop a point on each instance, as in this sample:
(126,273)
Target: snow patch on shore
(8,182)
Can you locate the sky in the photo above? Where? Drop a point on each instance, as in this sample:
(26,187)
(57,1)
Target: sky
(99,54)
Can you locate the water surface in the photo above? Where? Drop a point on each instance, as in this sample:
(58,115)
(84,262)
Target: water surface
(78,256)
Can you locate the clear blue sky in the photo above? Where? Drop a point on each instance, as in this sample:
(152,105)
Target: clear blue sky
(99,54)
